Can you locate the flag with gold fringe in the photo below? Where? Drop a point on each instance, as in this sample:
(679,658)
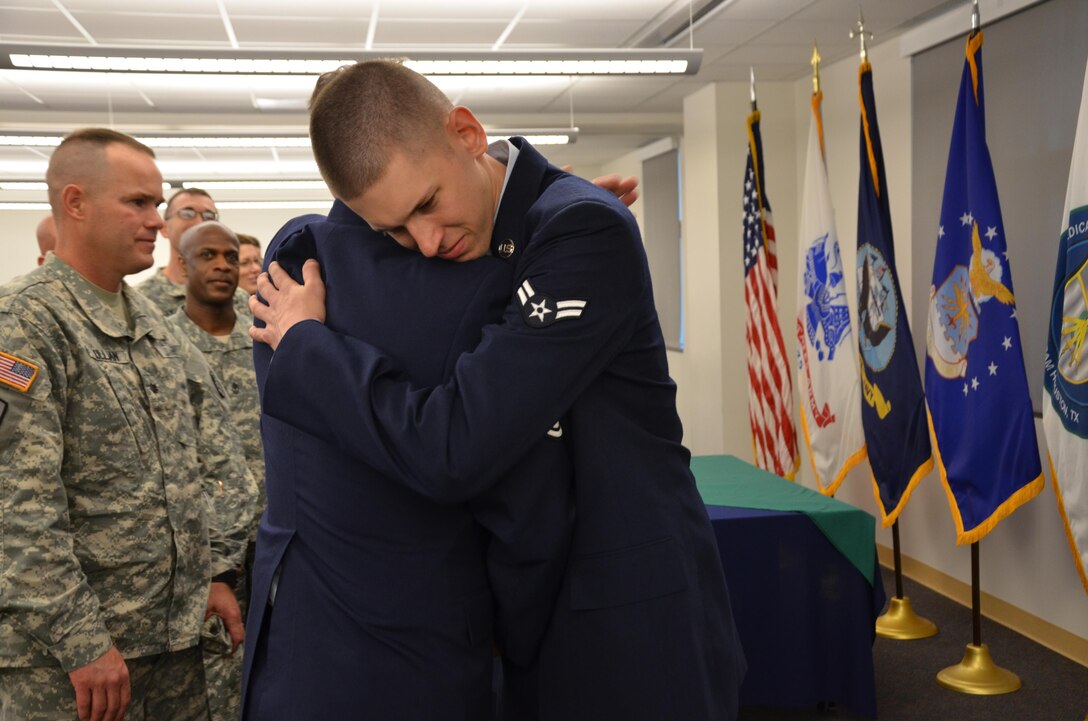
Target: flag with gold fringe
(827,358)
(893,409)
(1065,407)
(770,394)
(976,386)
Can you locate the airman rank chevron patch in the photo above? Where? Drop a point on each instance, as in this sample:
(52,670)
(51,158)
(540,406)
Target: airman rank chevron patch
(16,372)
(540,310)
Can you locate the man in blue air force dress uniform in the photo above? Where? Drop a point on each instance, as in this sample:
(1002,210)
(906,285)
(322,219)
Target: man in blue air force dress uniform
(370,601)
(642,628)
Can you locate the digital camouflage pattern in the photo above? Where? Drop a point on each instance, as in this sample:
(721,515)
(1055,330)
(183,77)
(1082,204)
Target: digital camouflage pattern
(112,458)
(169,296)
(232,360)
(164,686)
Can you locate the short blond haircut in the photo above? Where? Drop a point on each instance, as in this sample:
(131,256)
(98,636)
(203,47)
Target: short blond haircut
(360,114)
(244,239)
(81,157)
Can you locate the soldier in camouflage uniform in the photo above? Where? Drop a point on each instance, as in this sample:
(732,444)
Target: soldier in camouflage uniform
(166,288)
(120,466)
(210,255)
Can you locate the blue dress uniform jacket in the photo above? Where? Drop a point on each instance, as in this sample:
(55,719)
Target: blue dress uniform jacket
(387,604)
(643,627)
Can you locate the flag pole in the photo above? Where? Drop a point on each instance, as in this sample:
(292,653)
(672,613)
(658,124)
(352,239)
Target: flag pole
(859,31)
(977,673)
(900,622)
(752,87)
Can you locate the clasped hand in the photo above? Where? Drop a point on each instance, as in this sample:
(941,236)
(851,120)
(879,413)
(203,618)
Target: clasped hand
(286,302)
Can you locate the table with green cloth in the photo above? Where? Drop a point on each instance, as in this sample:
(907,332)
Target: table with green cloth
(804,584)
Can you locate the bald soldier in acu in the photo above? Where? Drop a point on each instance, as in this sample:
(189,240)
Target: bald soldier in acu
(211,260)
(117,456)
(186,208)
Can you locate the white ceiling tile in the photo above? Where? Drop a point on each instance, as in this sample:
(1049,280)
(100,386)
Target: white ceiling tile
(804,32)
(598,10)
(762,9)
(296,9)
(596,95)
(719,32)
(144,29)
(196,7)
(559,34)
(5,5)
(759,53)
(12,99)
(499,10)
(21,24)
(440,32)
(897,10)
(316,31)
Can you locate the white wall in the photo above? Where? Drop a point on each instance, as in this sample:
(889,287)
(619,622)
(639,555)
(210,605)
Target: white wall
(19,249)
(1026,560)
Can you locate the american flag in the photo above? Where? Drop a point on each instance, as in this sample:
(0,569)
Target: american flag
(770,395)
(17,373)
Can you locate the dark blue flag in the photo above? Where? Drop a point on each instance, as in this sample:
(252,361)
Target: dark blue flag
(976,386)
(893,409)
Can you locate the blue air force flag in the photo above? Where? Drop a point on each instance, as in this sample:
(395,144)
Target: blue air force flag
(827,359)
(1065,409)
(893,410)
(976,386)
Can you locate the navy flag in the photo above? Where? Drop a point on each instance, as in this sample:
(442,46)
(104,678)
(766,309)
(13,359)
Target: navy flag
(976,386)
(893,409)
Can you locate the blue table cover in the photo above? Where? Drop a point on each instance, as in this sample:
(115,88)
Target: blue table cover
(805,614)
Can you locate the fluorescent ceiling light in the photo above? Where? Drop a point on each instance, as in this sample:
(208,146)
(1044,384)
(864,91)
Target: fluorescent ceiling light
(549,139)
(537,136)
(624,61)
(24,206)
(240,170)
(247,141)
(33,141)
(23,185)
(174,141)
(222,205)
(254,184)
(272,204)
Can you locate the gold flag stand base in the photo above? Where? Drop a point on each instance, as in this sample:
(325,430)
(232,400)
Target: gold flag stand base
(901,623)
(978,674)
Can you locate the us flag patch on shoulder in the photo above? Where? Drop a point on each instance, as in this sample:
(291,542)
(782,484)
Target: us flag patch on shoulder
(16,372)
(541,310)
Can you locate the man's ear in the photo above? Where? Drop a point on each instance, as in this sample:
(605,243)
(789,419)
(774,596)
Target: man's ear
(466,131)
(73,201)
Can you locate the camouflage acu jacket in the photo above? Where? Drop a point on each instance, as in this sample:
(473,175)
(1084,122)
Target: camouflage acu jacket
(113,445)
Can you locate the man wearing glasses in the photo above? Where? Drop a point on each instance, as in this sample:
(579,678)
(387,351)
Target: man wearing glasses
(186,208)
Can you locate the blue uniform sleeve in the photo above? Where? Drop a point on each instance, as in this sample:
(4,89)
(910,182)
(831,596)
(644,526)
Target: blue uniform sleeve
(297,236)
(581,283)
(529,517)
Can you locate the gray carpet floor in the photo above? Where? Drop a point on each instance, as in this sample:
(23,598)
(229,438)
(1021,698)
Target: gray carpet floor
(1054,688)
